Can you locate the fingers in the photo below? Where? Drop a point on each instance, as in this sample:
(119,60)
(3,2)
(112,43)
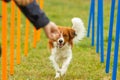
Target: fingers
(52,31)
(56,34)
(51,35)
(55,31)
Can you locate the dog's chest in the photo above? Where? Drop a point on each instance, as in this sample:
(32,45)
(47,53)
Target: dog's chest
(62,54)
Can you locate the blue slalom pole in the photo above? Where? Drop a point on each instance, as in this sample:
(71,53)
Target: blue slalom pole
(97,38)
(110,36)
(101,32)
(102,36)
(89,22)
(116,44)
(93,21)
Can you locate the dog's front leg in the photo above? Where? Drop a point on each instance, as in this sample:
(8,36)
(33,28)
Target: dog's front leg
(65,65)
(56,66)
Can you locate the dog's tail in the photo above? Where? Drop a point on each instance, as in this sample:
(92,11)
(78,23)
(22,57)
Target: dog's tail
(79,28)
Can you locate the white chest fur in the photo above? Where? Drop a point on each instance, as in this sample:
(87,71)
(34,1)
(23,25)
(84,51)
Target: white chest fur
(60,54)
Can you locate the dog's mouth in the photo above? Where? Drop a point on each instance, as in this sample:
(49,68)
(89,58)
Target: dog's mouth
(60,45)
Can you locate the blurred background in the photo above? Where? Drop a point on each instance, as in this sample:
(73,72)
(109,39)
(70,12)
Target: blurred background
(85,64)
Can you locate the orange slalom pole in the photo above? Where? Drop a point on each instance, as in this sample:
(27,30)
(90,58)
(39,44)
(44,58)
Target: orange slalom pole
(26,37)
(37,1)
(18,36)
(12,38)
(41,4)
(35,35)
(4,41)
(34,38)
(38,34)
(39,31)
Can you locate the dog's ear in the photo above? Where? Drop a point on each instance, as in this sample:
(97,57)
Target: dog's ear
(72,34)
(50,44)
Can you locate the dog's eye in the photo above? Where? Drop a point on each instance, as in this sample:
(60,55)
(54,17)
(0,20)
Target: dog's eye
(65,35)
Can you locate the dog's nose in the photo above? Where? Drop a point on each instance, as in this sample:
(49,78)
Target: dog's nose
(60,41)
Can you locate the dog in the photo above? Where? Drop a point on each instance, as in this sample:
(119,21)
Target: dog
(61,49)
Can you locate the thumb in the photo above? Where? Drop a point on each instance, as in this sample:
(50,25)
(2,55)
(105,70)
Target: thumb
(53,37)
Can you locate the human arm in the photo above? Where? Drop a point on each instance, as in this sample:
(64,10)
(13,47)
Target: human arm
(38,18)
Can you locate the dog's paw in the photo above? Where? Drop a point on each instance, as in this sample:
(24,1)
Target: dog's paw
(57,75)
(62,73)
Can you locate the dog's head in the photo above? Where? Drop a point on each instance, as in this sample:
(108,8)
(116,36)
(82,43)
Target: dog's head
(66,36)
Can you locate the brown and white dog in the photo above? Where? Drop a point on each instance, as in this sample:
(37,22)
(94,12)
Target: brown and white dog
(61,49)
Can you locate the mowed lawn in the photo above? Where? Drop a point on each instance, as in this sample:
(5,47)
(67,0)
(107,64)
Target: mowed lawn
(85,64)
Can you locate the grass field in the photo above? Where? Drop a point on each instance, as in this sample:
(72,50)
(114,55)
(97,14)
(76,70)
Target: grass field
(85,64)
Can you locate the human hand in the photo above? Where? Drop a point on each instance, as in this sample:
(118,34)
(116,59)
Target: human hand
(51,31)
(23,2)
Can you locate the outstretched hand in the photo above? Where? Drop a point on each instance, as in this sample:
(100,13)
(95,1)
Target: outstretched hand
(52,31)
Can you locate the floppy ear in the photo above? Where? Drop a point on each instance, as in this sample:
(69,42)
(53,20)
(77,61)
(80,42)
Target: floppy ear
(50,44)
(72,34)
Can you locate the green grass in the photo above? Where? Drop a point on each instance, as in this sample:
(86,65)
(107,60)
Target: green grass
(85,64)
